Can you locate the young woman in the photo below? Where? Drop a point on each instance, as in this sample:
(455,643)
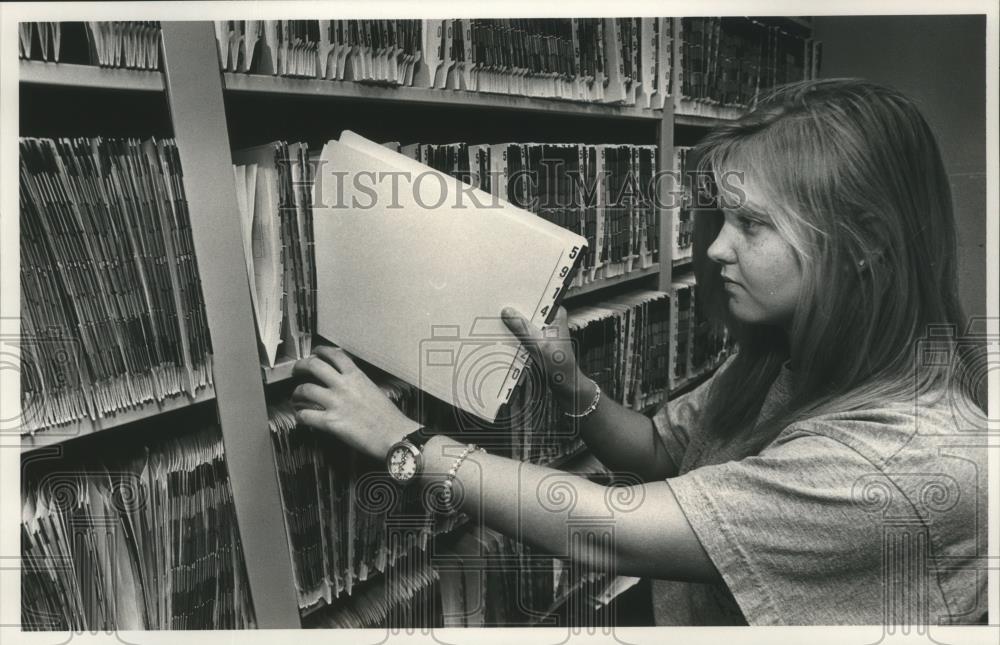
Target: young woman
(824,474)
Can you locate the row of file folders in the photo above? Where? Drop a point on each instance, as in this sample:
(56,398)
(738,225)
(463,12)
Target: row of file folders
(137,538)
(147,539)
(727,61)
(112,312)
(611,60)
(145,536)
(123,44)
(352,530)
(682,234)
(731,61)
(601,192)
(631,61)
(642,345)
(346,521)
(482,579)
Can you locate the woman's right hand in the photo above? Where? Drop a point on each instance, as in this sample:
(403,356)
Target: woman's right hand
(552,349)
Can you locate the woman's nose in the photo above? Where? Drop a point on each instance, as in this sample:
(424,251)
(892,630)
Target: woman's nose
(721,250)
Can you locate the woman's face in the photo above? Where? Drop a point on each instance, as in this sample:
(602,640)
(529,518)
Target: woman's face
(761,272)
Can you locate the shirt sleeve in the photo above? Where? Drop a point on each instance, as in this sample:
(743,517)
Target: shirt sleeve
(790,531)
(678,420)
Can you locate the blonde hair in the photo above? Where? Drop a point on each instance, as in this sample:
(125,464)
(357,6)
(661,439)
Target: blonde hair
(859,191)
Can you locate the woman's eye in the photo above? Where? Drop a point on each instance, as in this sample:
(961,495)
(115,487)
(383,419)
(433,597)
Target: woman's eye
(748,225)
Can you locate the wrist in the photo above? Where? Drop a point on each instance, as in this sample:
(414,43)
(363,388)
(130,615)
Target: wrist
(575,398)
(398,432)
(439,453)
(447,466)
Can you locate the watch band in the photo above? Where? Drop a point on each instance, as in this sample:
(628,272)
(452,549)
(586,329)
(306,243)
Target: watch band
(419,437)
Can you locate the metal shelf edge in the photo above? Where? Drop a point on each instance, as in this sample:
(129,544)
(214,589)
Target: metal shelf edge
(599,285)
(87,427)
(89,76)
(259,83)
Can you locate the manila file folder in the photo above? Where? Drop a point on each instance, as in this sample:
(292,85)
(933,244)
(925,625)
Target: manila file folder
(413,268)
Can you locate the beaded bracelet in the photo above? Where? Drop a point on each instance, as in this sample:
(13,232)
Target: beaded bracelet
(591,407)
(449,481)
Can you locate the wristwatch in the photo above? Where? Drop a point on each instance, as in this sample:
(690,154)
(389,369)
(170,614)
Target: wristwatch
(404,461)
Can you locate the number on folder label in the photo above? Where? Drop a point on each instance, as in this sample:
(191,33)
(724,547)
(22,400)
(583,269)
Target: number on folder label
(572,254)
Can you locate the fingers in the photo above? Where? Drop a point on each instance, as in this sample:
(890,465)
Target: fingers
(559,327)
(307,417)
(531,335)
(314,368)
(310,395)
(336,357)
(520,327)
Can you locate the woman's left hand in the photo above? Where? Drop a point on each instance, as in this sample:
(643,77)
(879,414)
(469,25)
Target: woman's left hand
(343,401)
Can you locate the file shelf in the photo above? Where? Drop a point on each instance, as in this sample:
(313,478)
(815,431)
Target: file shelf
(85,427)
(607,283)
(89,76)
(698,120)
(196,91)
(703,114)
(282,371)
(349,90)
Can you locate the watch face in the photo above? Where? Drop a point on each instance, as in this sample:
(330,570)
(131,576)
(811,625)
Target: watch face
(403,463)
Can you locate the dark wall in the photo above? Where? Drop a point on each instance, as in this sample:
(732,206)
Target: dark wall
(940,62)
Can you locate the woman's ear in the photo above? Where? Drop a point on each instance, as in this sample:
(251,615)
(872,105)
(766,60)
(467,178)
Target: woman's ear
(874,257)
(873,228)
(867,261)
